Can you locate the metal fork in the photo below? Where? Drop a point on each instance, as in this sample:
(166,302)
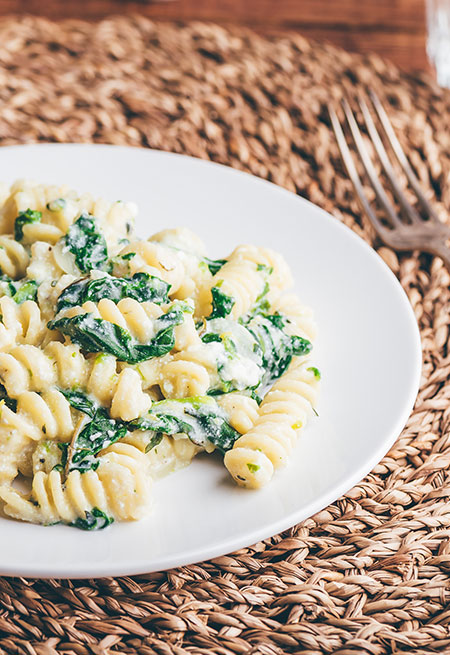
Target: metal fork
(422,231)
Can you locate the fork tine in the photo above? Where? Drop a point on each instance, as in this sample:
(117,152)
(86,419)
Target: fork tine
(369,168)
(353,173)
(401,157)
(387,167)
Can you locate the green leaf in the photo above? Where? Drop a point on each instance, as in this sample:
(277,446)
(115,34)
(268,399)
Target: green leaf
(154,441)
(141,287)
(27,291)
(25,218)
(98,434)
(19,291)
(94,520)
(276,347)
(261,306)
(56,205)
(98,335)
(87,244)
(160,422)
(9,402)
(199,417)
(315,371)
(214,265)
(255,397)
(221,304)
(264,268)
(209,337)
(80,401)
(253,468)
(301,346)
(95,335)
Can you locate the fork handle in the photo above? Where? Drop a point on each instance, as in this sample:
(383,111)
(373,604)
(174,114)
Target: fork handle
(442,251)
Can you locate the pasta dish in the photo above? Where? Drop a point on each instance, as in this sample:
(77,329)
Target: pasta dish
(122,358)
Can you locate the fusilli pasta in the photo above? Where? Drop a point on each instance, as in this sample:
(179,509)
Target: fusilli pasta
(20,323)
(268,444)
(120,487)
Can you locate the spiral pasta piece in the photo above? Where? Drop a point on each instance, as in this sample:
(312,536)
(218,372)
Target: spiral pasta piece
(185,271)
(120,487)
(240,280)
(155,259)
(128,401)
(171,454)
(186,335)
(301,318)
(244,276)
(268,444)
(36,417)
(29,368)
(191,372)
(20,323)
(43,267)
(40,415)
(280,277)
(26,368)
(191,251)
(182,379)
(242,410)
(14,258)
(13,443)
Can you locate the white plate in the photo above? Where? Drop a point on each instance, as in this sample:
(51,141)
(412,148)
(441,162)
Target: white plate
(368,350)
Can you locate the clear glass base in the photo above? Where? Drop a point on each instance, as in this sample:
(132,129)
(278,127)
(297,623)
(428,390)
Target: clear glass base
(438,44)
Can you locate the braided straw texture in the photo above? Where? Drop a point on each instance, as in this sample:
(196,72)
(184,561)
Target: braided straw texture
(369,574)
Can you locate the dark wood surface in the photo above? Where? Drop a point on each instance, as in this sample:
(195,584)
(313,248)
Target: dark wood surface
(392,28)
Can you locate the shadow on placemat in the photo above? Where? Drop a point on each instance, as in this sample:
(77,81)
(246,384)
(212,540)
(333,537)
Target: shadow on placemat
(370,573)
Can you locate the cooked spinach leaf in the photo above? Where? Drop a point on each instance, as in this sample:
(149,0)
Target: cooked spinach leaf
(300,347)
(9,402)
(19,290)
(26,291)
(266,269)
(80,401)
(315,372)
(25,218)
(64,448)
(94,520)
(154,441)
(87,244)
(221,303)
(56,205)
(276,347)
(261,306)
(98,434)
(199,417)
(141,287)
(209,337)
(214,265)
(97,335)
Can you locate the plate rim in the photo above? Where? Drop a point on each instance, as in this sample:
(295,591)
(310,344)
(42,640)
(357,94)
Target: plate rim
(193,556)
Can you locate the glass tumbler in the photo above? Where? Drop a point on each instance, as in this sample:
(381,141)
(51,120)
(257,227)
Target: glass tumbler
(438,42)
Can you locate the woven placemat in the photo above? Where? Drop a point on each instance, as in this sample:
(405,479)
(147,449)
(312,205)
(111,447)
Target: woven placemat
(369,574)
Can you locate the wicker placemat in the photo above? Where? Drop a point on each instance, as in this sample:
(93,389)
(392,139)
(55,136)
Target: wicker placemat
(370,573)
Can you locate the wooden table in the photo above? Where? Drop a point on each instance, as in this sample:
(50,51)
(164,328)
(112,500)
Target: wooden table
(392,28)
